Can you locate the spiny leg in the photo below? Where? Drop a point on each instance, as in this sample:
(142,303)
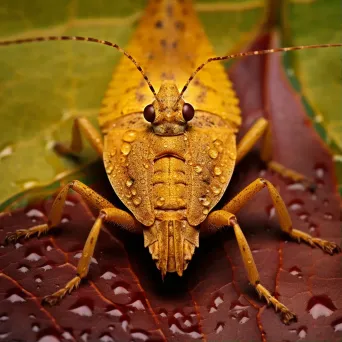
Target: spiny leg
(106,215)
(56,211)
(81,124)
(261,128)
(252,189)
(221,218)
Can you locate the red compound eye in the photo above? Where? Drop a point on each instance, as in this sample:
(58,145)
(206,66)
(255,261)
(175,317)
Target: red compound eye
(188,111)
(149,113)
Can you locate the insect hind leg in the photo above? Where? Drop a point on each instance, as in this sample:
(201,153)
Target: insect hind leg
(81,125)
(221,218)
(252,189)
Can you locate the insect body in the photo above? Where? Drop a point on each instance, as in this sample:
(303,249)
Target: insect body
(170,155)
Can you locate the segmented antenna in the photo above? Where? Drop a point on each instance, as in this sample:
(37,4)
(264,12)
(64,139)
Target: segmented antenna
(87,39)
(249,53)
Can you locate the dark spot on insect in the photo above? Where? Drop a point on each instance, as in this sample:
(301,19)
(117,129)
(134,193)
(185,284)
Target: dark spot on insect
(185,11)
(206,180)
(150,57)
(179,25)
(140,97)
(169,10)
(92,240)
(163,43)
(244,249)
(201,96)
(158,24)
(175,44)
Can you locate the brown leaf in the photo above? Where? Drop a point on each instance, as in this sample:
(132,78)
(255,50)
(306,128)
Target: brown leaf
(124,298)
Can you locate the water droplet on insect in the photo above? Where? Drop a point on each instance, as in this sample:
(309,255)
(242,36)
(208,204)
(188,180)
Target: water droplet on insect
(17,245)
(160,201)
(79,254)
(125,148)
(337,324)
(46,267)
(14,298)
(109,170)
(219,145)
(213,153)
(320,306)
(145,165)
(198,169)
(38,280)
(129,183)
(295,205)
(320,172)
(296,186)
(83,310)
(129,136)
(219,328)
(33,257)
(124,325)
(3,318)
(217,171)
(328,216)
(136,201)
(205,211)
(23,269)
(27,184)
(108,275)
(193,334)
(115,313)
(84,337)
(222,179)
(271,212)
(134,192)
(34,213)
(216,190)
(163,313)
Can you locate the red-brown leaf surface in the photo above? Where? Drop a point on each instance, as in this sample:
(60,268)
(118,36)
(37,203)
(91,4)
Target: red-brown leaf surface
(124,298)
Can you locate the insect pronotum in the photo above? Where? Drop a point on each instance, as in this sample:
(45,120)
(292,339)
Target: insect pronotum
(170,156)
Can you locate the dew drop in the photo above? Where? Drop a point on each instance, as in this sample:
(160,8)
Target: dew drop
(198,169)
(219,145)
(48,338)
(3,318)
(6,151)
(320,306)
(17,245)
(328,216)
(218,300)
(67,335)
(213,153)
(14,298)
(216,190)
(23,269)
(69,203)
(205,211)
(302,332)
(108,275)
(78,256)
(33,257)
(237,307)
(84,337)
(35,327)
(124,325)
(106,338)
(178,315)
(109,170)
(337,324)
(120,290)
(83,310)
(136,201)
(4,335)
(163,313)
(271,212)
(137,305)
(219,328)
(187,323)
(217,171)
(134,192)
(295,271)
(244,319)
(46,267)
(129,136)
(125,148)
(295,205)
(319,172)
(139,335)
(115,313)
(222,179)
(296,187)
(34,213)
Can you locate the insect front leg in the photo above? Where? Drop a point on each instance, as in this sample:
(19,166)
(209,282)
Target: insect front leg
(261,128)
(81,124)
(106,215)
(55,215)
(221,218)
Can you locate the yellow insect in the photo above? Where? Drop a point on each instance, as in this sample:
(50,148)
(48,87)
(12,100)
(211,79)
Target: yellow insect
(170,155)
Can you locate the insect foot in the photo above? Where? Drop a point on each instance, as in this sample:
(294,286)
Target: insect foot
(58,295)
(26,233)
(287,316)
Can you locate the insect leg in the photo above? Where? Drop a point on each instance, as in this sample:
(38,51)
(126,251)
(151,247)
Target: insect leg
(252,189)
(259,129)
(81,124)
(106,215)
(56,211)
(222,218)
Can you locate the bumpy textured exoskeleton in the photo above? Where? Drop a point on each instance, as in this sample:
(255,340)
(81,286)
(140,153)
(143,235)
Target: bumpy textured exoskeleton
(170,157)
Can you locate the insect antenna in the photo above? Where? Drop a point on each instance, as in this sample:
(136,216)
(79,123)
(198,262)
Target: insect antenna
(249,53)
(87,39)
